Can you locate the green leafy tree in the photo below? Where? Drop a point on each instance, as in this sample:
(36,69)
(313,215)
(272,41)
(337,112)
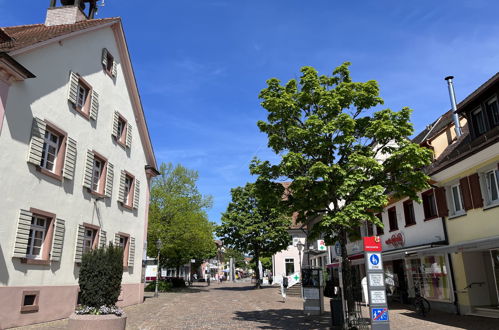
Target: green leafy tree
(177,216)
(237,255)
(343,158)
(254,225)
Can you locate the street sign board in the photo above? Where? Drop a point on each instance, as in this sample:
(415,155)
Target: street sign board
(372,243)
(376,280)
(321,245)
(379,314)
(378,297)
(374,261)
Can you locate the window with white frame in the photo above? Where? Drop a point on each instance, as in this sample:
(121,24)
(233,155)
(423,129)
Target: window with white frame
(492,180)
(96,174)
(89,239)
(478,121)
(51,143)
(81,98)
(37,233)
(457,201)
(128,188)
(290,266)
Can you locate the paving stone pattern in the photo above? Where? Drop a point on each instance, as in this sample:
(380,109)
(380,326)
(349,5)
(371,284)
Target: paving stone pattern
(239,306)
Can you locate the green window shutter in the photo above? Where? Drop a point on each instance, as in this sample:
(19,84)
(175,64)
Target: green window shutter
(136,195)
(79,243)
(94,105)
(131,252)
(73,87)
(104,57)
(102,238)
(115,125)
(89,166)
(36,144)
(70,159)
(22,234)
(121,192)
(109,179)
(129,136)
(58,240)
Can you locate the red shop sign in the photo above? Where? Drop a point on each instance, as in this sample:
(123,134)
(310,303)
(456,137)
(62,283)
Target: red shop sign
(396,240)
(372,243)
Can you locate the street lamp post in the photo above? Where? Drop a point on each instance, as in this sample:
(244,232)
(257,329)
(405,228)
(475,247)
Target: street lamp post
(159,244)
(300,246)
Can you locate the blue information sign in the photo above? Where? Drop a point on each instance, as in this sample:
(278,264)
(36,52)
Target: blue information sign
(379,314)
(374,259)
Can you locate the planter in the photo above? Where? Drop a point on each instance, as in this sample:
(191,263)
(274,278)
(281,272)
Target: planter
(96,322)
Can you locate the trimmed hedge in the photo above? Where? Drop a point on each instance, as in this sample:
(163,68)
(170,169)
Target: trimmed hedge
(100,276)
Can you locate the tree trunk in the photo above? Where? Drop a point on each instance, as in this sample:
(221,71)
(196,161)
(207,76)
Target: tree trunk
(257,271)
(347,274)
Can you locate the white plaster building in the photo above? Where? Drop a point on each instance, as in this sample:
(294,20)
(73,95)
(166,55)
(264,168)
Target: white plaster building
(76,161)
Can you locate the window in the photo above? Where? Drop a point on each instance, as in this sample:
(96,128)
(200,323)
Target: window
(492,179)
(379,229)
(128,189)
(84,99)
(121,129)
(370,229)
(410,218)
(37,234)
(110,62)
(51,144)
(89,239)
(478,121)
(29,302)
(392,218)
(123,243)
(290,266)
(429,205)
(493,110)
(457,201)
(97,174)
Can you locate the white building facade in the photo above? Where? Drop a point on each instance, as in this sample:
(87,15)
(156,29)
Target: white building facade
(76,166)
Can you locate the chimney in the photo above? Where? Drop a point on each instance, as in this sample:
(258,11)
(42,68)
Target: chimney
(452,95)
(70,11)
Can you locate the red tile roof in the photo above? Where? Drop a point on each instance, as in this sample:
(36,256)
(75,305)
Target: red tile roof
(27,35)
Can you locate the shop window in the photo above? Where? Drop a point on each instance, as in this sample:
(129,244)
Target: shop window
(410,218)
(429,205)
(289,266)
(430,277)
(392,218)
(379,229)
(29,301)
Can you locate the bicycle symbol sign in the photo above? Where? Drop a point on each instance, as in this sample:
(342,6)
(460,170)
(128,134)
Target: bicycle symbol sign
(374,259)
(379,314)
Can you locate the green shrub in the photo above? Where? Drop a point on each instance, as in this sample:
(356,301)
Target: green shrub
(100,276)
(163,286)
(177,282)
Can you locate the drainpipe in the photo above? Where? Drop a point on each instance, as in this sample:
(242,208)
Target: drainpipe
(452,95)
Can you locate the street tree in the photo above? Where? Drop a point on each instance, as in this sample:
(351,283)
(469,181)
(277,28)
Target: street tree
(254,225)
(177,216)
(344,157)
(238,257)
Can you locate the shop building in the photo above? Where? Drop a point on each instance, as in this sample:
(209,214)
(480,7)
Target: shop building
(468,173)
(76,161)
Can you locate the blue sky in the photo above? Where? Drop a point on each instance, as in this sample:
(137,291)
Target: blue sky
(200,65)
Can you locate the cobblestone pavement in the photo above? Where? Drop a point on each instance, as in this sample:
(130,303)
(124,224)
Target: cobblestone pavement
(239,306)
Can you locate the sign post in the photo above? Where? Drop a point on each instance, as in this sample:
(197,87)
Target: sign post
(378,308)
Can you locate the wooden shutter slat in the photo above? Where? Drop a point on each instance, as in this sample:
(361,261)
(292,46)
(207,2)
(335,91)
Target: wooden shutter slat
(73,87)
(441,201)
(136,195)
(58,240)
(109,179)
(129,136)
(117,239)
(70,159)
(102,238)
(89,166)
(38,129)
(476,192)
(94,105)
(115,125)
(115,68)
(121,192)
(22,234)
(465,191)
(131,252)
(79,243)
(104,57)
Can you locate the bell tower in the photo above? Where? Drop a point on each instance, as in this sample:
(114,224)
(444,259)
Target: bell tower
(70,11)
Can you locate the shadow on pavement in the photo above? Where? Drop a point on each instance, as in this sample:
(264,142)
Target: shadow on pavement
(284,319)
(241,288)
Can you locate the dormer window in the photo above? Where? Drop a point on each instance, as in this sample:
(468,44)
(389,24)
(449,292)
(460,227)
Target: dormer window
(478,121)
(493,110)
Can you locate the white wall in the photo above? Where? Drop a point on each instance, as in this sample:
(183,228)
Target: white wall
(23,187)
(290,252)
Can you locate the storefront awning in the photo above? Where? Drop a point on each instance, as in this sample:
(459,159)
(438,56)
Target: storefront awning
(403,253)
(467,246)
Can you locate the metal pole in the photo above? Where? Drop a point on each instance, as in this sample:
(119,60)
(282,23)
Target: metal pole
(156,294)
(452,95)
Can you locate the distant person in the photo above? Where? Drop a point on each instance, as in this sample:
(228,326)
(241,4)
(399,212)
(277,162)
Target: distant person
(284,287)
